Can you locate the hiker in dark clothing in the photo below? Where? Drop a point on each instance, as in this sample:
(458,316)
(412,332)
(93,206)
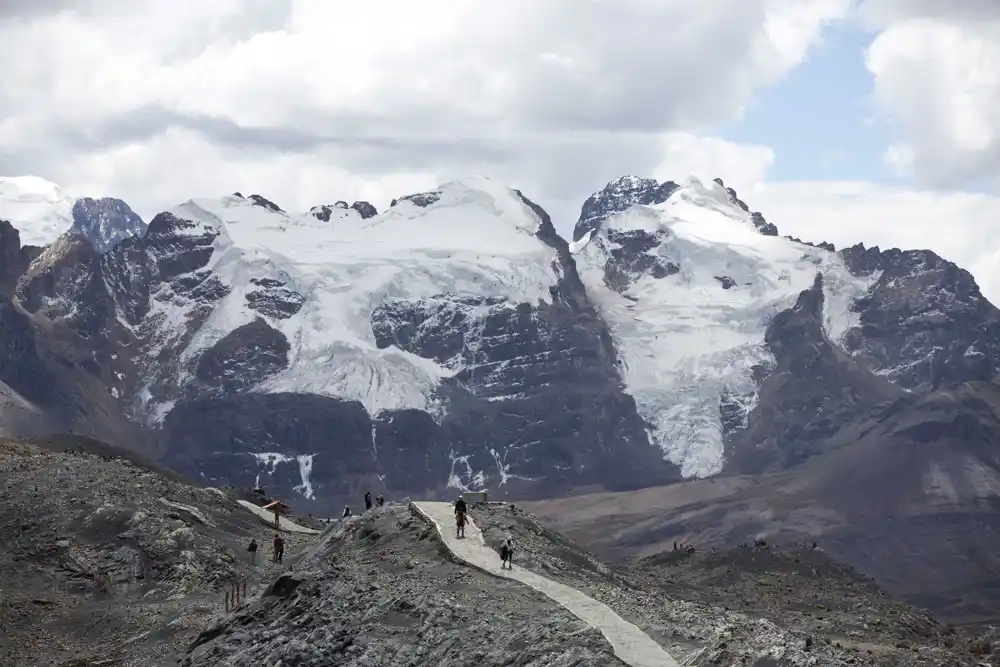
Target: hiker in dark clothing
(507,554)
(380,500)
(461,517)
(347,511)
(281,550)
(368,500)
(253,551)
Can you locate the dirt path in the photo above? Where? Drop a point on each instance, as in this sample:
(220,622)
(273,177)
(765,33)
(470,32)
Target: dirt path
(631,644)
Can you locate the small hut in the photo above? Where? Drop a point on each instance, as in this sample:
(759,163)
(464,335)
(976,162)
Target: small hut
(278,508)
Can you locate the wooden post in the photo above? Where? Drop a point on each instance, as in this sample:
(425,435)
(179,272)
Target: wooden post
(277,520)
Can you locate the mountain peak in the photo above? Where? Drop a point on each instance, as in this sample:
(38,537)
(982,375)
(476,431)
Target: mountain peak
(619,195)
(106,222)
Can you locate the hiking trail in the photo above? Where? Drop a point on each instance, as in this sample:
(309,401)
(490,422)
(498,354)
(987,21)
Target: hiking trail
(630,644)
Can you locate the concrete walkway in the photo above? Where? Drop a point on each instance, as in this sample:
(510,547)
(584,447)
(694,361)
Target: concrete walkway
(283,523)
(631,645)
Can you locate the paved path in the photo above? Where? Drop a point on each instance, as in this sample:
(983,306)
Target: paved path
(283,523)
(631,644)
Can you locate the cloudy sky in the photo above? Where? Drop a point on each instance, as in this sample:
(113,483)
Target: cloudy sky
(841,120)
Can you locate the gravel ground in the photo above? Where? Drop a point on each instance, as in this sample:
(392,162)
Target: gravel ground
(746,606)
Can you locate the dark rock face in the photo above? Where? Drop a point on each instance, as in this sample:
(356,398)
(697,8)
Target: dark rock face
(924,323)
(106,222)
(12,261)
(68,287)
(421,199)
(273,298)
(630,258)
(812,391)
(263,202)
(726,282)
(243,358)
(325,211)
(220,437)
(20,365)
(763,226)
(620,195)
(364,209)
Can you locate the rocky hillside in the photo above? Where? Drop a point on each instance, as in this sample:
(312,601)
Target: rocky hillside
(106,560)
(104,557)
(381,590)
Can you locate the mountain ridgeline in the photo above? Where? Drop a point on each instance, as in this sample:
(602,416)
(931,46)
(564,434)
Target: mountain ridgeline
(456,341)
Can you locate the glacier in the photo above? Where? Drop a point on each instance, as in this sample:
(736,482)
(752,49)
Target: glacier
(473,238)
(693,330)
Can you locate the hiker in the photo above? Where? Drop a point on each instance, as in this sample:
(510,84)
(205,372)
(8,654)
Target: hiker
(507,554)
(253,551)
(368,500)
(279,546)
(347,511)
(461,517)
(380,500)
(276,542)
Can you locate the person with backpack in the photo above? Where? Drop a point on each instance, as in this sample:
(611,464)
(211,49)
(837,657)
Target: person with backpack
(253,551)
(368,500)
(507,554)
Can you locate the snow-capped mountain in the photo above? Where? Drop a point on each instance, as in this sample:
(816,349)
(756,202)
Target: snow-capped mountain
(456,341)
(688,284)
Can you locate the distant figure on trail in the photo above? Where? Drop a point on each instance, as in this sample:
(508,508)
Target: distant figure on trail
(347,511)
(253,551)
(279,548)
(507,554)
(380,500)
(368,500)
(461,517)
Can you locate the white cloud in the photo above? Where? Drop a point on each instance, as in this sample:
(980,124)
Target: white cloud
(312,100)
(936,69)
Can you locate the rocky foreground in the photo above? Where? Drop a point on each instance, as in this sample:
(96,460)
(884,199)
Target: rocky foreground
(105,561)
